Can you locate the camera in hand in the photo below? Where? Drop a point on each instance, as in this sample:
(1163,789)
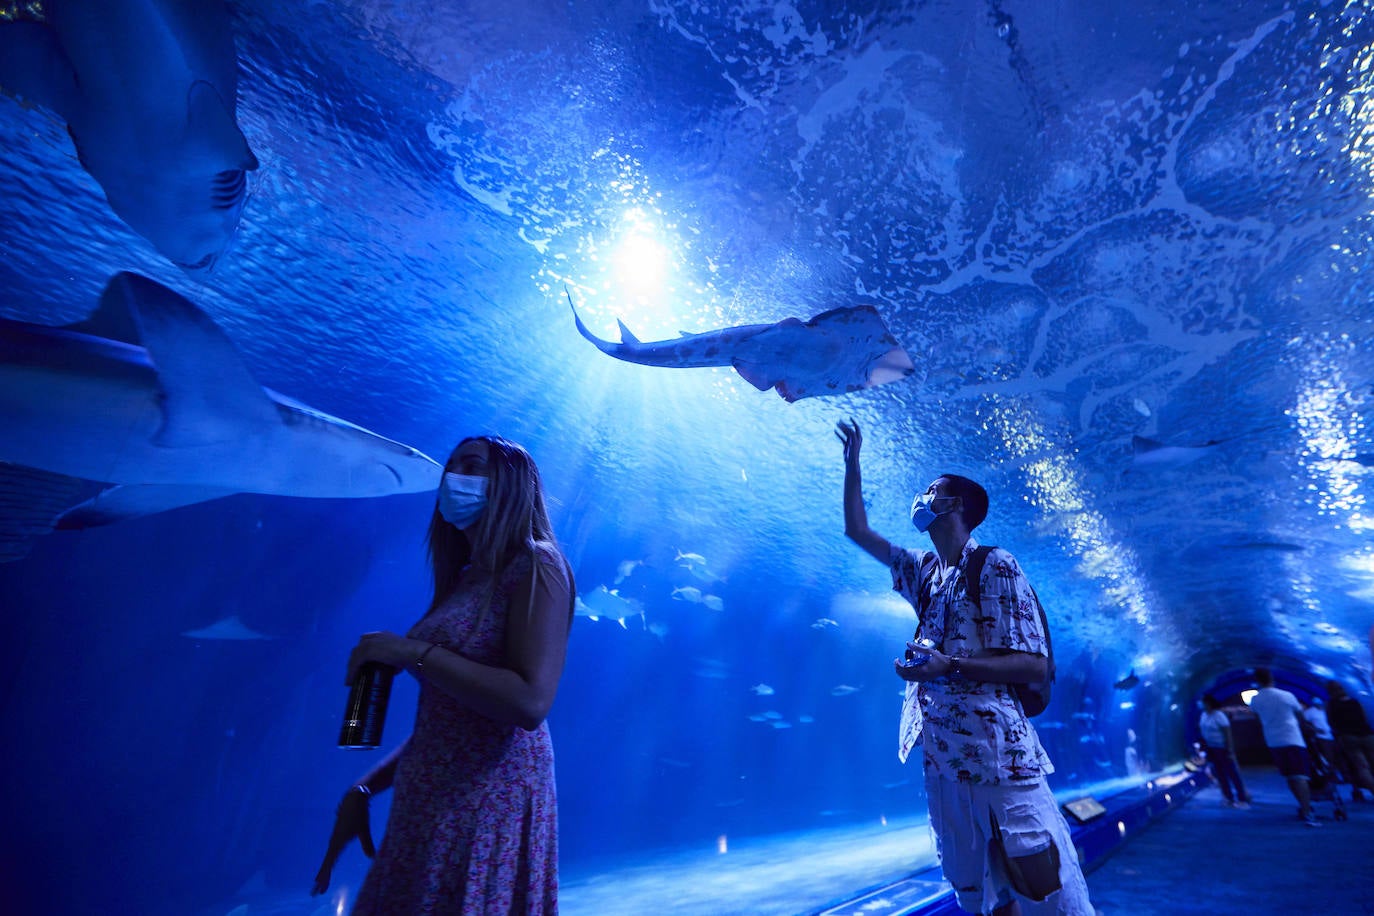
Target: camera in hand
(365,713)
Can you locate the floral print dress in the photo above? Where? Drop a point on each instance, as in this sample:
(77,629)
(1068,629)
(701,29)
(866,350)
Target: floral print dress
(474,821)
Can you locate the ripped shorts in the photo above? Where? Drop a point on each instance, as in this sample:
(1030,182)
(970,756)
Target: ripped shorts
(1030,821)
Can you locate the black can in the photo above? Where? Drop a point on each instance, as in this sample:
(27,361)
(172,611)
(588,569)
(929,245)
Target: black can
(366,711)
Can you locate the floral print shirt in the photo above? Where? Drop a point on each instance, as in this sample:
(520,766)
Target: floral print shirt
(975,731)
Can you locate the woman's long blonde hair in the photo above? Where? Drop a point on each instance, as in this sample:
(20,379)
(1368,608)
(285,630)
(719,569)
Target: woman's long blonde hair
(515,521)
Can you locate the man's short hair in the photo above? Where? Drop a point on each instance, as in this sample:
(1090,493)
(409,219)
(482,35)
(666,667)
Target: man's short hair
(1264,676)
(974,496)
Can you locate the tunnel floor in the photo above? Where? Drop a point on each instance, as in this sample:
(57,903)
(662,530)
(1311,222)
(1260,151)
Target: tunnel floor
(1207,858)
(1200,858)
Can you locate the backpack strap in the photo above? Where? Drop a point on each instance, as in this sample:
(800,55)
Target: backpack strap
(924,593)
(973,574)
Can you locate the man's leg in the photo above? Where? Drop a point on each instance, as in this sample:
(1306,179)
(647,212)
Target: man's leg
(961,842)
(1302,792)
(1296,767)
(1040,850)
(1217,758)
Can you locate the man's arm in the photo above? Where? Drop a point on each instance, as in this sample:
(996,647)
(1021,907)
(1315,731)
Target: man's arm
(855,515)
(1003,667)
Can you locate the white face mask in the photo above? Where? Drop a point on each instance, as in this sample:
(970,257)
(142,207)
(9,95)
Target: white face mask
(922,515)
(462,499)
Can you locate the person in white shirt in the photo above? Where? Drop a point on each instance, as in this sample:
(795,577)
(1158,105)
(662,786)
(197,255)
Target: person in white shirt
(1221,752)
(1314,713)
(1280,716)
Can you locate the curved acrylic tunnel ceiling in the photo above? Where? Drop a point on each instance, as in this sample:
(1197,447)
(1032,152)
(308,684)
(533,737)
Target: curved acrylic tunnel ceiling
(1129,262)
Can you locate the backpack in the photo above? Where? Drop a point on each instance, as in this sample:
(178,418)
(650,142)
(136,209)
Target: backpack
(1034,697)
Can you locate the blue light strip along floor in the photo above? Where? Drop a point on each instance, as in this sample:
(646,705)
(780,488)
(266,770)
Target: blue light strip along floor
(926,893)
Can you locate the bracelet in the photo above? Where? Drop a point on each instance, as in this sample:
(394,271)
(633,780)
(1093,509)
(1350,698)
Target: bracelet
(362,790)
(420,662)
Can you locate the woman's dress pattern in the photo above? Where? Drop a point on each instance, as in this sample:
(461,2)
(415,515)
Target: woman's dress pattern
(473,827)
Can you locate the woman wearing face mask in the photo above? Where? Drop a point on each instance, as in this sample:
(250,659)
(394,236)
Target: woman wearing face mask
(473,826)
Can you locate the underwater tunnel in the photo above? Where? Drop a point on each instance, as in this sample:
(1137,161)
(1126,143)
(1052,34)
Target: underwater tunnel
(264,264)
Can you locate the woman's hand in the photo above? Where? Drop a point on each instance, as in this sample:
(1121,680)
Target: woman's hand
(381,648)
(350,820)
(847,431)
(936,666)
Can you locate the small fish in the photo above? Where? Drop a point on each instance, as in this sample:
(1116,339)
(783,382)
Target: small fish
(624,569)
(695,564)
(762,690)
(230,628)
(824,623)
(688,593)
(713,602)
(782,724)
(805,720)
(843,690)
(602,603)
(772,714)
(1127,682)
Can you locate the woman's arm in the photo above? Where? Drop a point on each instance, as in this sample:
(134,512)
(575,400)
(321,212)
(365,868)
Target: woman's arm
(380,777)
(518,693)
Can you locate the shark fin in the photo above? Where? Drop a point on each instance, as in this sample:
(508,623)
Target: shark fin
(209,118)
(208,393)
(111,319)
(119,503)
(30,503)
(626,336)
(758,376)
(34,67)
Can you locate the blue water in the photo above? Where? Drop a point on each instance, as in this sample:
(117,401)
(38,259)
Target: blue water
(1085,225)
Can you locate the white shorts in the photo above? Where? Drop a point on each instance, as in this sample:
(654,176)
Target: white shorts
(1030,821)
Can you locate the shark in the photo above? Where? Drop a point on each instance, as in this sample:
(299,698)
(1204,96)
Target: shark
(1127,682)
(148,394)
(845,349)
(148,89)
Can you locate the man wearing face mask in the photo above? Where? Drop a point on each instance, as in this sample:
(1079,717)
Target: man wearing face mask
(998,827)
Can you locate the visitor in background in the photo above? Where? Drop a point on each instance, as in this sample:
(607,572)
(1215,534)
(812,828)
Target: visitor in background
(1280,716)
(1353,736)
(474,823)
(1220,747)
(1314,714)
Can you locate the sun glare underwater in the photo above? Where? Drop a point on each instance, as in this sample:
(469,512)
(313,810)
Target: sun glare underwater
(266,263)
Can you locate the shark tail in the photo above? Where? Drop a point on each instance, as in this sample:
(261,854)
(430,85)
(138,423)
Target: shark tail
(31,501)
